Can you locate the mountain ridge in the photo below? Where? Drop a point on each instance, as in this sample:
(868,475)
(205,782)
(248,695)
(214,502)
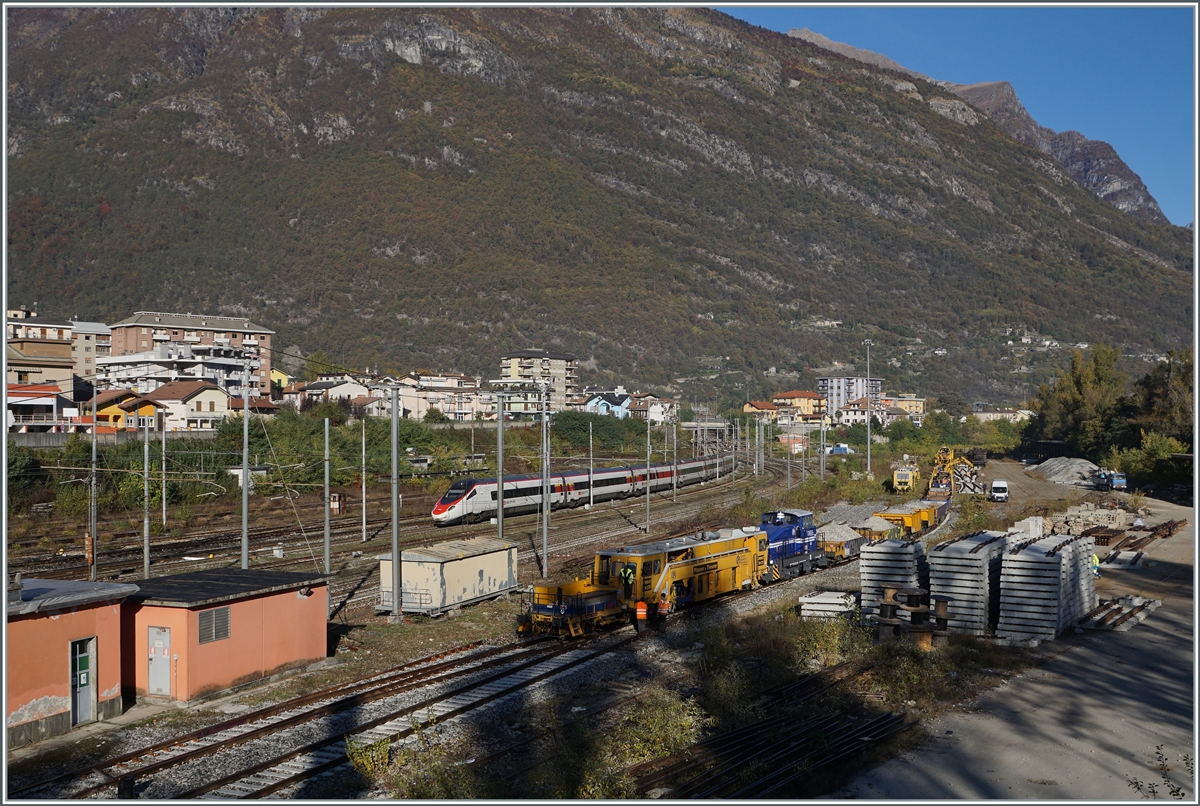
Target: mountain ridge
(666,193)
(1095,164)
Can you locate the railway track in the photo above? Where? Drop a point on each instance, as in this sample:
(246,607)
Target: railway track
(279,746)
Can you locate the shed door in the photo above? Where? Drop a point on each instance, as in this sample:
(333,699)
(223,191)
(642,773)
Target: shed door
(159,680)
(83,683)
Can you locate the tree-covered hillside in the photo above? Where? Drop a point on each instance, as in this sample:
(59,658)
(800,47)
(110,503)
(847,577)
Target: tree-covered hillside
(665,193)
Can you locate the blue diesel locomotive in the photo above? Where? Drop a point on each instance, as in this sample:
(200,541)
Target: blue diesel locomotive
(792,547)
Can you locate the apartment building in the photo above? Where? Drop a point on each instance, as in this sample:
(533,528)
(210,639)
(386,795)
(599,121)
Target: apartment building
(838,391)
(557,370)
(146,330)
(169,362)
(89,341)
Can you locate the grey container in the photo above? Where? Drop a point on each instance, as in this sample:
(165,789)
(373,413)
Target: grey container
(438,578)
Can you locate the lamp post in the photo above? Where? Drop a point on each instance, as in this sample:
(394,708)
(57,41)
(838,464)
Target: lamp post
(868,343)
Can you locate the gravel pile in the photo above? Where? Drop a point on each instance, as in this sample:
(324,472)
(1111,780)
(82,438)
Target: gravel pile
(1064,470)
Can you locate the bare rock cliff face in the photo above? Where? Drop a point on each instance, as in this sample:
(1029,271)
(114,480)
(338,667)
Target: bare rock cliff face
(1093,163)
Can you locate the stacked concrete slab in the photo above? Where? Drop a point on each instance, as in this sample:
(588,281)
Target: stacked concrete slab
(967,570)
(827,604)
(894,563)
(1046,586)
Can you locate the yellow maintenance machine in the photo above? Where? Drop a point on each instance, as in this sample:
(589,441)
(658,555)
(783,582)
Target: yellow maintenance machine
(905,478)
(952,474)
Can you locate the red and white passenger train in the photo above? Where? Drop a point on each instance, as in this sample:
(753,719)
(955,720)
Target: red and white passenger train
(474,500)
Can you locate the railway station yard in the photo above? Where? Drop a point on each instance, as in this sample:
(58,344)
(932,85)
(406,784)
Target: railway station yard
(1078,717)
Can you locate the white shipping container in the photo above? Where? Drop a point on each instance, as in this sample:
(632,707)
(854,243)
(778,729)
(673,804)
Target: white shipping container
(438,578)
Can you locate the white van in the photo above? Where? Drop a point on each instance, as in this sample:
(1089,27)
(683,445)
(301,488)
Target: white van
(999,491)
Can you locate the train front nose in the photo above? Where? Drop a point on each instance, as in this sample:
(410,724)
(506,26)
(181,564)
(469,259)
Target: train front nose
(441,511)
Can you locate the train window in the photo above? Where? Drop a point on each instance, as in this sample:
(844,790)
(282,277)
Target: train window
(646,566)
(602,571)
(762,544)
(471,494)
(455,492)
(657,566)
(582,485)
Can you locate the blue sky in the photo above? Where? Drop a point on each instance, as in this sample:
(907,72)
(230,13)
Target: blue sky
(1122,75)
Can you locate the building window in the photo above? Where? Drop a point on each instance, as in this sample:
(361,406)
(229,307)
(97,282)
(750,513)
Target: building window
(214,624)
(212,405)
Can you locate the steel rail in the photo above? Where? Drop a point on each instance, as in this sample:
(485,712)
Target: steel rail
(337,748)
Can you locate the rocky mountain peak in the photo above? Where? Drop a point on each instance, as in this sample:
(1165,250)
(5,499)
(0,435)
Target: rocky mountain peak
(1093,163)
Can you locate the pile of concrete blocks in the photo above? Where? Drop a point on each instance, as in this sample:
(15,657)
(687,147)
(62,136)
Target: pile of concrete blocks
(1078,519)
(967,571)
(891,563)
(1046,586)
(827,605)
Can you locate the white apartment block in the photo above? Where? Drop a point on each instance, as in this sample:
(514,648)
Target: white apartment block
(166,363)
(839,391)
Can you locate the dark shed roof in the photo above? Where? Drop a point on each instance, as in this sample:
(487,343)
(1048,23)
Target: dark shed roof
(49,595)
(213,585)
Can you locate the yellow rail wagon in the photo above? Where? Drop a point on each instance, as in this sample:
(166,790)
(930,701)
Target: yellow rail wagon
(686,569)
(839,541)
(912,517)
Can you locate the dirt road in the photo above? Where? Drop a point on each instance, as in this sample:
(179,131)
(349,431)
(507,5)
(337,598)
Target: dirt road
(1087,721)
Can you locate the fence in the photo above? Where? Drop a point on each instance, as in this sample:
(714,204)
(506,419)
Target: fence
(47,439)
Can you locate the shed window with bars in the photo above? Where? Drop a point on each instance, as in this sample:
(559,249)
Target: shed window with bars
(214,624)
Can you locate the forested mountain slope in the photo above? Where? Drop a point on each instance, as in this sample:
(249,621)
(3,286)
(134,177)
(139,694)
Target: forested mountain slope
(665,193)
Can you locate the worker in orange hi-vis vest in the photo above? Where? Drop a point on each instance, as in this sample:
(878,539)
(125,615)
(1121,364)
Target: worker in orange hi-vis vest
(642,611)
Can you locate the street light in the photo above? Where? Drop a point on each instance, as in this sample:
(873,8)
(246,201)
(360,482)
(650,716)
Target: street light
(868,343)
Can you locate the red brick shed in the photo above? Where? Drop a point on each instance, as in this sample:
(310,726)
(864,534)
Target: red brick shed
(62,655)
(189,635)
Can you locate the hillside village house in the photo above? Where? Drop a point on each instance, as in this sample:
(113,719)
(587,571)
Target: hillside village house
(144,330)
(761,410)
(855,413)
(651,408)
(798,406)
(191,405)
(110,416)
(1012,415)
(33,408)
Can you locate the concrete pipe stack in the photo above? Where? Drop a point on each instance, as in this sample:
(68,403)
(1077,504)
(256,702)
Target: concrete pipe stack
(967,571)
(1046,586)
(890,564)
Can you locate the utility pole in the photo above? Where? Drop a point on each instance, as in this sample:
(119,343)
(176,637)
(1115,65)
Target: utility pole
(868,343)
(245,461)
(94,538)
(327,564)
(591,480)
(397,614)
(164,473)
(789,458)
(675,461)
(822,447)
(545,395)
(647,472)
(364,475)
(500,465)
(146,499)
